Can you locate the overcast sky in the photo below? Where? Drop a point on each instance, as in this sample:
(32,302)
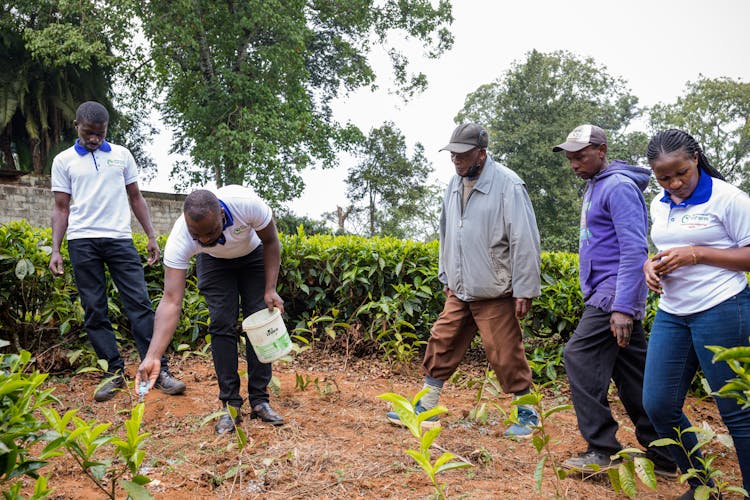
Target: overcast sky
(657,46)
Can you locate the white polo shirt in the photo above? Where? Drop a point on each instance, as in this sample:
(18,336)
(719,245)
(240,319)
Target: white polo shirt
(246,213)
(96,182)
(722,221)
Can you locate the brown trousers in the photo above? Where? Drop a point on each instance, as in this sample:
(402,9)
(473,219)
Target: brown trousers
(452,333)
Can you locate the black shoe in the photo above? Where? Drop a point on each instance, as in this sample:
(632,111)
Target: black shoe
(264,412)
(108,387)
(226,423)
(591,461)
(167,384)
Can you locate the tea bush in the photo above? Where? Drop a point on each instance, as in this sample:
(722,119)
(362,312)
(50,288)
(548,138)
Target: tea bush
(384,290)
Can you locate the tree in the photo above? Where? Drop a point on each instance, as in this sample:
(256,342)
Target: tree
(247,85)
(717,113)
(532,107)
(398,201)
(288,222)
(61,54)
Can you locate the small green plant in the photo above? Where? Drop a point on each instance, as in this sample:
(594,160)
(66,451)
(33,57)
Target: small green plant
(233,412)
(309,334)
(186,350)
(406,412)
(712,485)
(490,387)
(20,397)
(301,382)
(541,438)
(86,441)
(738,359)
(633,465)
(326,386)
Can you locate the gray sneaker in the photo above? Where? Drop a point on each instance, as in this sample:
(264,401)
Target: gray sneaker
(108,387)
(167,384)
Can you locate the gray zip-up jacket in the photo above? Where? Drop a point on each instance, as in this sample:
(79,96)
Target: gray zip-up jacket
(490,248)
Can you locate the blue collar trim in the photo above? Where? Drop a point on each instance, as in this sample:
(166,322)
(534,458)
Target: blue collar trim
(701,193)
(230,219)
(104,146)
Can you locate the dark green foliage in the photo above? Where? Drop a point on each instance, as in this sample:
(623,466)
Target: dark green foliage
(61,54)
(364,295)
(33,303)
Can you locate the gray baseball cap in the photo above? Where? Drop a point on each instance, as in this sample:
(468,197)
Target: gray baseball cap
(466,137)
(582,136)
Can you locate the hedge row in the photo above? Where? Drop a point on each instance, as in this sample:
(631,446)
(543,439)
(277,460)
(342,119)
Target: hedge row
(371,291)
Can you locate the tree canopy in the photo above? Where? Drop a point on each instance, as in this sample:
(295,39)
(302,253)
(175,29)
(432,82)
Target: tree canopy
(248,85)
(532,107)
(62,53)
(392,191)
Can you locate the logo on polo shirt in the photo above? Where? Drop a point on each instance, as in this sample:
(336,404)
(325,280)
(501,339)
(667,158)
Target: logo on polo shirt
(238,230)
(695,221)
(115,163)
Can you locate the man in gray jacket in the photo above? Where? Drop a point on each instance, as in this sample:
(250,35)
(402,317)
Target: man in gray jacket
(490,266)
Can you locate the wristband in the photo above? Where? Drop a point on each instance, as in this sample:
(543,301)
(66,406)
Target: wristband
(695,257)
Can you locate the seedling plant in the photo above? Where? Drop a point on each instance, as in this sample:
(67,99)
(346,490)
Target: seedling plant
(541,438)
(413,421)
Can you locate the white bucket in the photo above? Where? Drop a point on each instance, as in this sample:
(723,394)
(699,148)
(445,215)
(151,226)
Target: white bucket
(267,334)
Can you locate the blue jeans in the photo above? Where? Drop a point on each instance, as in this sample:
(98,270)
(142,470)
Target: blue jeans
(676,350)
(227,285)
(88,257)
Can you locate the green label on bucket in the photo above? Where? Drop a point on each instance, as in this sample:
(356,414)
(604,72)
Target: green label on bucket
(275,348)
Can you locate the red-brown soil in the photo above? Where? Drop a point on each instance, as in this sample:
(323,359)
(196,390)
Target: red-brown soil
(339,444)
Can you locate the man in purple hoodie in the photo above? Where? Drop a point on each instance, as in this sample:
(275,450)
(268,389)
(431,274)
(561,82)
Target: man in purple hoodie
(609,342)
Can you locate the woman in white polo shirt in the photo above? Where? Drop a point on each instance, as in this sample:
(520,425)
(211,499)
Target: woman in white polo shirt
(701,229)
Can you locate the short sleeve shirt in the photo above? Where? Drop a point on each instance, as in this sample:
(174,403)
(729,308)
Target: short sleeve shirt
(248,214)
(96,182)
(722,221)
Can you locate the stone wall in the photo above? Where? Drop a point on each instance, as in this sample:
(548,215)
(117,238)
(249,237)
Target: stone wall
(29,197)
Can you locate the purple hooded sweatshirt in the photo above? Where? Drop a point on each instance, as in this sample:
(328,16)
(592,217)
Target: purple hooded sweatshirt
(613,246)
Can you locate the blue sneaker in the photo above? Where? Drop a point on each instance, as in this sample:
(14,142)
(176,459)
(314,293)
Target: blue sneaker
(429,423)
(528,418)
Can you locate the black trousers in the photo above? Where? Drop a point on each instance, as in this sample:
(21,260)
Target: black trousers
(227,285)
(593,358)
(88,257)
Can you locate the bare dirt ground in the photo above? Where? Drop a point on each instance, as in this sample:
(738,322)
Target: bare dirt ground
(337,443)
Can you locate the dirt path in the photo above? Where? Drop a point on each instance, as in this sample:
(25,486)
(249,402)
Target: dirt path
(336,442)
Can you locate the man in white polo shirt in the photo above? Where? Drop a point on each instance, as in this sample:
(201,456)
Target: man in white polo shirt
(102,181)
(233,235)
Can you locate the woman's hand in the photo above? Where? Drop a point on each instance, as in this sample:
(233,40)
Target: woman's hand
(665,262)
(669,260)
(653,280)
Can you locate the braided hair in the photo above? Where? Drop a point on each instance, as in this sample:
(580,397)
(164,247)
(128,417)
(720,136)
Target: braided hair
(669,141)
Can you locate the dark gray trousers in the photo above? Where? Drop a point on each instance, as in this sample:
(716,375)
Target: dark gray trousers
(593,358)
